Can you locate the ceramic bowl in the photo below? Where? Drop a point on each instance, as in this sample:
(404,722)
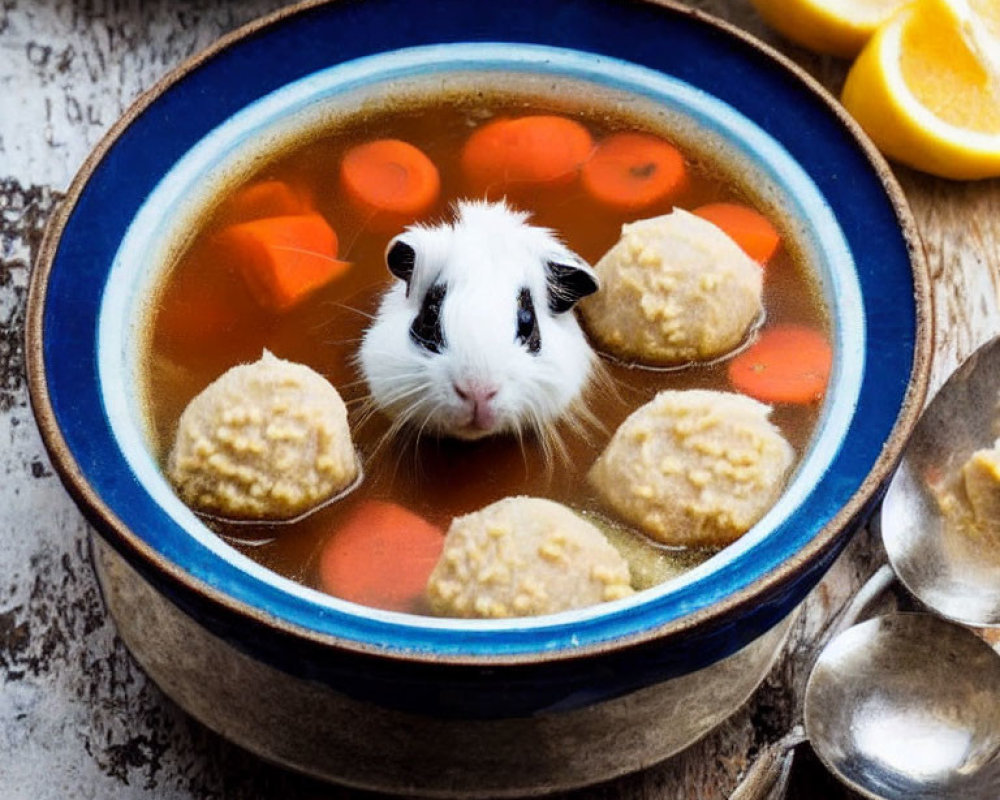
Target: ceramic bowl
(451,707)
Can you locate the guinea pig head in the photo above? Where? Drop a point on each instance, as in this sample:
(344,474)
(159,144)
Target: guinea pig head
(477,335)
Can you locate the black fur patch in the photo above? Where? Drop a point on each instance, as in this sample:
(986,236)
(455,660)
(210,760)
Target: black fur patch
(426,328)
(567,285)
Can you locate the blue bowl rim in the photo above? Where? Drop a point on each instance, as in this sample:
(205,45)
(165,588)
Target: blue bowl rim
(141,553)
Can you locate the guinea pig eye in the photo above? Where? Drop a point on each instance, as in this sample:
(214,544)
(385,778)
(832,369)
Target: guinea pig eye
(426,328)
(527,323)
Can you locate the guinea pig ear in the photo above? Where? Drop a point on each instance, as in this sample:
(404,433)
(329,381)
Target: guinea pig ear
(400,257)
(568,283)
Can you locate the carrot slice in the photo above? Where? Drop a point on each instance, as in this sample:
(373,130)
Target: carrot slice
(632,171)
(284,259)
(748,228)
(267,198)
(507,154)
(381,556)
(787,364)
(390,180)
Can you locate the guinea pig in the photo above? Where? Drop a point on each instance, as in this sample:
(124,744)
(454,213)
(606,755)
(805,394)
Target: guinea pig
(477,335)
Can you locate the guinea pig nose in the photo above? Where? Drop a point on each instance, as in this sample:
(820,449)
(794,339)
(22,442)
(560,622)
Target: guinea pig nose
(475,392)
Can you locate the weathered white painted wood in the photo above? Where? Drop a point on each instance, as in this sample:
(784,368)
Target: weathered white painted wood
(77,718)
(69,69)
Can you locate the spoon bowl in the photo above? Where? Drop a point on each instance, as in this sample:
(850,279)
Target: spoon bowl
(906,707)
(953,573)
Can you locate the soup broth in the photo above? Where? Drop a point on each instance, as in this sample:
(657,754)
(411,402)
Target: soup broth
(206,321)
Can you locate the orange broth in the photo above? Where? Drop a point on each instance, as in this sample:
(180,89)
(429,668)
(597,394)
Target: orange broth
(206,321)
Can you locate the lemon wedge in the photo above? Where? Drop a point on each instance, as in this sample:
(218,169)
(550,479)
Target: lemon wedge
(838,27)
(926,88)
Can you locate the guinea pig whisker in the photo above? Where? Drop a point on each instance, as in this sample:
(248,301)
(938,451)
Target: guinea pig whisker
(540,429)
(406,389)
(341,342)
(554,447)
(363,409)
(394,398)
(522,445)
(568,201)
(603,384)
(428,416)
(350,243)
(582,422)
(403,443)
(354,385)
(363,401)
(402,419)
(368,410)
(418,432)
(367,404)
(352,309)
(398,424)
(387,436)
(559,447)
(407,435)
(305,251)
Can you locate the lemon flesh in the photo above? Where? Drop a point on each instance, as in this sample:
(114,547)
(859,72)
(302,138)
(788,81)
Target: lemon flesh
(946,76)
(988,12)
(838,27)
(926,89)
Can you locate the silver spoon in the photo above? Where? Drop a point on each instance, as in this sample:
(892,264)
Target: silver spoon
(901,707)
(908,705)
(956,575)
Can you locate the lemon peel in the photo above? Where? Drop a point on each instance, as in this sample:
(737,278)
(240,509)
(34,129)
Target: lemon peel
(926,89)
(838,27)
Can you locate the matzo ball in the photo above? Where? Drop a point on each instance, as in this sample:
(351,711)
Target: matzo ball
(674,289)
(694,468)
(523,556)
(265,441)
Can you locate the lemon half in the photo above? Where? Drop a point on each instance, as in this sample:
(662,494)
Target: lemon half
(926,88)
(838,27)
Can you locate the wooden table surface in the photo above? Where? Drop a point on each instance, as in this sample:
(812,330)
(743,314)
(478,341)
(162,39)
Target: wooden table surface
(78,719)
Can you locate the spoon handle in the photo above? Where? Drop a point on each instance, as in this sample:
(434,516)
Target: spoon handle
(871,591)
(768,776)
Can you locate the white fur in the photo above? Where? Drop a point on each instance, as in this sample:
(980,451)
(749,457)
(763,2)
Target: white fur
(485,257)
